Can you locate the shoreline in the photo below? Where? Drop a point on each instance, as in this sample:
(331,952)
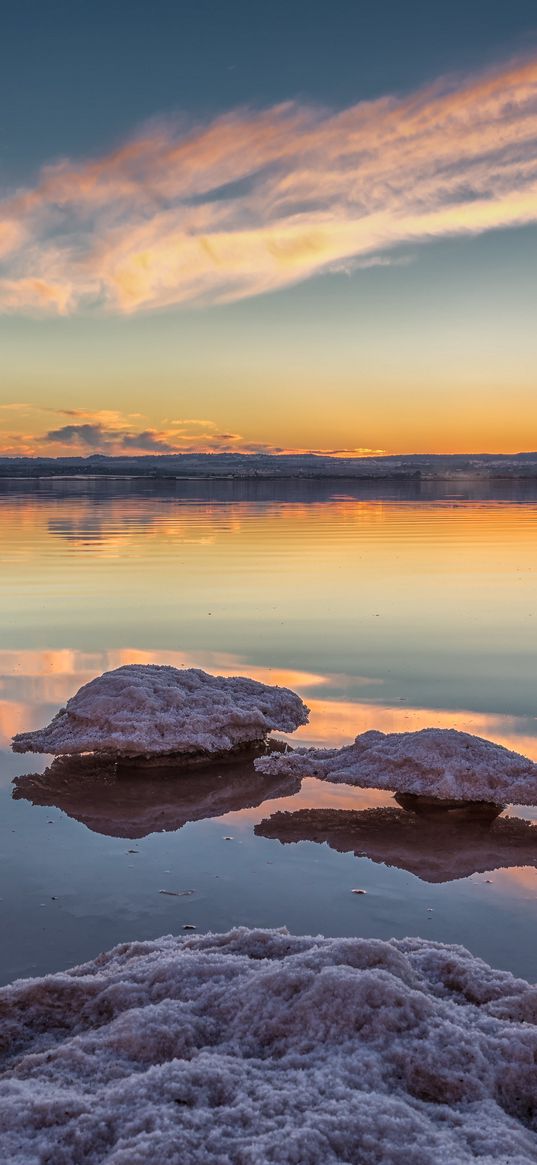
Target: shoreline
(411,477)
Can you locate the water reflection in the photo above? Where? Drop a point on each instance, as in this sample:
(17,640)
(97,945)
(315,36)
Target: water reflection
(99,489)
(433,850)
(431,596)
(393,606)
(152,798)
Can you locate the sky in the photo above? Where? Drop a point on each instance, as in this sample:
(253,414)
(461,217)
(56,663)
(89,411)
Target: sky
(241,226)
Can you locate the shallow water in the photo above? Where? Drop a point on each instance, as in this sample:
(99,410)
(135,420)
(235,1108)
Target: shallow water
(388,606)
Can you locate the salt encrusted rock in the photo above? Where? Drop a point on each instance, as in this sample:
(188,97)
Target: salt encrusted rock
(139,801)
(257,1046)
(434,850)
(150,710)
(434,762)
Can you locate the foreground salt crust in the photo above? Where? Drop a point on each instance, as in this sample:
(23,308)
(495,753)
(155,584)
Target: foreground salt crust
(148,710)
(434,849)
(433,762)
(257,1047)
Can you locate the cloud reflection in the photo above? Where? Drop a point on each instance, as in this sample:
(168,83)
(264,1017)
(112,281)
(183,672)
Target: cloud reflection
(35,683)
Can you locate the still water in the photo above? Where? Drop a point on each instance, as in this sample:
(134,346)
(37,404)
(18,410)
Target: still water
(389,606)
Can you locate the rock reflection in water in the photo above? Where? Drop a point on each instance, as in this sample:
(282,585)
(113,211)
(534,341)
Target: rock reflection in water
(132,801)
(434,849)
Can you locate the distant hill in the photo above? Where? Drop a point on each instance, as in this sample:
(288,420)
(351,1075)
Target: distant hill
(291,466)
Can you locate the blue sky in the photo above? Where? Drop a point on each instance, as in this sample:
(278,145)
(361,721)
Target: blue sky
(415,338)
(76,76)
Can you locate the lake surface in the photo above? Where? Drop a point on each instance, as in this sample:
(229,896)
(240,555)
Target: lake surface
(391,606)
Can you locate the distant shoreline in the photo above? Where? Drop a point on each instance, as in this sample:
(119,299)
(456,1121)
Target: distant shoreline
(415,476)
(281,467)
(214,477)
(163,476)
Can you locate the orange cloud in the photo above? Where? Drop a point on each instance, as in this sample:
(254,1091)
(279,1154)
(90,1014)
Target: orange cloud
(113,433)
(257,201)
(41,294)
(11,236)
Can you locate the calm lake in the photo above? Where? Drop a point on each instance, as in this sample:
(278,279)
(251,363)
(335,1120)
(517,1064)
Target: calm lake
(391,606)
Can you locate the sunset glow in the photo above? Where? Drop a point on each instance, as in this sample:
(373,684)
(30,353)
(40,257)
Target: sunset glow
(395,236)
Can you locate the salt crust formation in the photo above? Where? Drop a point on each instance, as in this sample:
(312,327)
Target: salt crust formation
(137,803)
(151,710)
(259,1048)
(437,762)
(433,850)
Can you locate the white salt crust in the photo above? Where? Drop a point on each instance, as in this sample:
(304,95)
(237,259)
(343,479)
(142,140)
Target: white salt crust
(259,1048)
(434,762)
(151,710)
(435,850)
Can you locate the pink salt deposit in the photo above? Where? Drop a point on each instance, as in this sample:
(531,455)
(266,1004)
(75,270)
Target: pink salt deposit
(434,762)
(151,710)
(263,1048)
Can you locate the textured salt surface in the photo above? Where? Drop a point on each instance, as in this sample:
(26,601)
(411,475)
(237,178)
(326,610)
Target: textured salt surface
(138,802)
(436,851)
(257,1047)
(147,709)
(438,762)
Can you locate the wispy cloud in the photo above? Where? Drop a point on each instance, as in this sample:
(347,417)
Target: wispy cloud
(193,421)
(259,200)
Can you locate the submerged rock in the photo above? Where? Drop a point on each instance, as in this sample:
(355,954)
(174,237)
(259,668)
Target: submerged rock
(152,710)
(434,762)
(456,807)
(258,1046)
